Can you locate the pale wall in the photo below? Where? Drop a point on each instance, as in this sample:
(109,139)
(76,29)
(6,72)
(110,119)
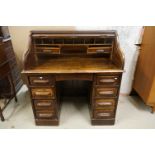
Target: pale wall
(128,36)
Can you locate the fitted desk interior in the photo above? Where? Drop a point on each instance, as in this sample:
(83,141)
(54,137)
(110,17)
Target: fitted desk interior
(59,62)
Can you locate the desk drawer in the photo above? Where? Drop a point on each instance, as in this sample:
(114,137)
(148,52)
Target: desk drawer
(44,104)
(107,80)
(41,80)
(105,104)
(45,114)
(52,50)
(105,92)
(43,93)
(102,114)
(101,49)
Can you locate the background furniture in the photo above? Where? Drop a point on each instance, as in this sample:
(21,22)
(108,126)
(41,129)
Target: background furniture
(57,62)
(144,78)
(10,79)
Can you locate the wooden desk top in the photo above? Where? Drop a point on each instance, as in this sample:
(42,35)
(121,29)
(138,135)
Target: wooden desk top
(74,65)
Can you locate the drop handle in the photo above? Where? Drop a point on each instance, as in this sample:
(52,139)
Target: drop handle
(45,115)
(40,81)
(40,104)
(108,80)
(42,93)
(104,103)
(103,114)
(106,92)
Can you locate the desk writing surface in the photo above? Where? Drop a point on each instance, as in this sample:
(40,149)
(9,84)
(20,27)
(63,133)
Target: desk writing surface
(74,65)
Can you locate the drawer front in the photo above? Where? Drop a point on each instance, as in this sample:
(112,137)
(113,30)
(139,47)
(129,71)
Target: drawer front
(45,114)
(41,80)
(44,104)
(105,104)
(106,92)
(42,93)
(53,50)
(99,50)
(107,80)
(102,114)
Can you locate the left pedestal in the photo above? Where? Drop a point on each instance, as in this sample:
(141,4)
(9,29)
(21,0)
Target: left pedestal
(44,99)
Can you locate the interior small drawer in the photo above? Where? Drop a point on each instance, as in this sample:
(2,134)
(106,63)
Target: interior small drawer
(41,80)
(99,49)
(44,104)
(105,92)
(42,93)
(45,114)
(102,114)
(104,104)
(107,80)
(52,50)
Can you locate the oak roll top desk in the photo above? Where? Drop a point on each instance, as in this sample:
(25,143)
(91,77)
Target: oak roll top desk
(57,56)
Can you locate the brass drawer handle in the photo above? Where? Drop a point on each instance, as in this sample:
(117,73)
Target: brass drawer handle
(45,115)
(104,103)
(40,81)
(41,104)
(103,114)
(42,93)
(106,92)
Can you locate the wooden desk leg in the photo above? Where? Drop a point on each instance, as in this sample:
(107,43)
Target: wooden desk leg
(1,115)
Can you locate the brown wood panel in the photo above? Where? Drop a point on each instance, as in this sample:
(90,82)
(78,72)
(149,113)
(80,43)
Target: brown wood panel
(62,77)
(45,114)
(74,65)
(44,104)
(42,80)
(105,103)
(105,92)
(108,80)
(145,69)
(102,114)
(99,49)
(43,93)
